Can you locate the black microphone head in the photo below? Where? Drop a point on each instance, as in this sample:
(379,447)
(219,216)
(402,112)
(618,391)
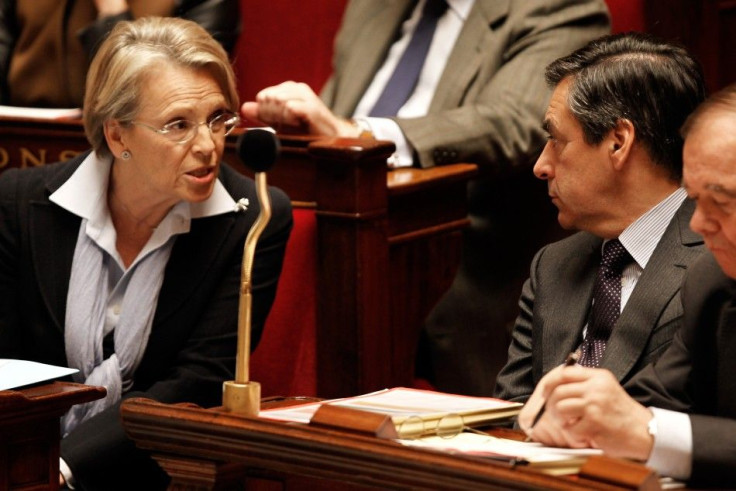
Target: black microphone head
(258,149)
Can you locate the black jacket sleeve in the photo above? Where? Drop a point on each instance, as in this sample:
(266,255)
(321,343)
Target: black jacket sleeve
(190,353)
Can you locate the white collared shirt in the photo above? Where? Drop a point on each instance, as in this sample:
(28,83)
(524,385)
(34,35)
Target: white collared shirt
(672,452)
(85,195)
(642,237)
(445,35)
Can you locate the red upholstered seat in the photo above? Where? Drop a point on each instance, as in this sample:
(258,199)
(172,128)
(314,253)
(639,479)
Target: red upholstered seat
(285,361)
(626,15)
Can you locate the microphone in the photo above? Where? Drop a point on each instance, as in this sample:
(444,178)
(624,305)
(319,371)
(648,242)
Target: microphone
(258,150)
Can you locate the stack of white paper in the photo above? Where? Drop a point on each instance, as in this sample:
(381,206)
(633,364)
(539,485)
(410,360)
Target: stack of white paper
(17,373)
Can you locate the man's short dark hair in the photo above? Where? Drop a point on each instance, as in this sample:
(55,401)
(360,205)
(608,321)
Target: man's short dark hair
(634,76)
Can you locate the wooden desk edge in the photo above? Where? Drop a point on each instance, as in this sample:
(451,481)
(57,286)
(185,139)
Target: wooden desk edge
(64,392)
(173,431)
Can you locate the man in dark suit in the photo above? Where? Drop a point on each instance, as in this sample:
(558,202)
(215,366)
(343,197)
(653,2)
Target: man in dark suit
(689,429)
(613,164)
(483,106)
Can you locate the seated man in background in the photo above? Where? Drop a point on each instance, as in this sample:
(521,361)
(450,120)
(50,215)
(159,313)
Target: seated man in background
(478,98)
(587,407)
(613,165)
(46,46)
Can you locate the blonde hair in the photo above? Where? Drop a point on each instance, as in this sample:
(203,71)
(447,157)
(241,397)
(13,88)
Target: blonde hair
(117,72)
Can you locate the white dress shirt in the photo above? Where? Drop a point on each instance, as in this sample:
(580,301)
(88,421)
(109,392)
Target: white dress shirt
(640,239)
(85,195)
(673,443)
(672,454)
(446,33)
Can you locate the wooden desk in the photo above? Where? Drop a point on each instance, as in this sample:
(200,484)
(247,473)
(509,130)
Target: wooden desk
(388,242)
(29,432)
(210,449)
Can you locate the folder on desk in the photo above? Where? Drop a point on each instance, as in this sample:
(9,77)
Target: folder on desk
(413,412)
(550,460)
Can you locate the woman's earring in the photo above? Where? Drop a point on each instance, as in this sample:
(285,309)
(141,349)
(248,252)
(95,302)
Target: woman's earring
(125,155)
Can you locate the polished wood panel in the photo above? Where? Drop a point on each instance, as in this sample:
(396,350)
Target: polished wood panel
(30,143)
(29,432)
(210,449)
(388,242)
(706,27)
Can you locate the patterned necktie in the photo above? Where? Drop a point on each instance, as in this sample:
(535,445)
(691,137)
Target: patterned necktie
(606,302)
(406,74)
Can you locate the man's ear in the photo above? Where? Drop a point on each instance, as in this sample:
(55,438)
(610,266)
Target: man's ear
(621,142)
(114,137)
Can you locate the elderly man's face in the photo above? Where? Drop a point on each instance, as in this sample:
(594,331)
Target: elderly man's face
(709,175)
(576,172)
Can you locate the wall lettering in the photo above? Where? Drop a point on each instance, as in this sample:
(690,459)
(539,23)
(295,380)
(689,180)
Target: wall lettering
(68,154)
(27,156)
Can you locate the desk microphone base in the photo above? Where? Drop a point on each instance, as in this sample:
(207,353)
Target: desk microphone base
(243,399)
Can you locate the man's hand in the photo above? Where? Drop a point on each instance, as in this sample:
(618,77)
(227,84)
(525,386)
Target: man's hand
(587,407)
(294,106)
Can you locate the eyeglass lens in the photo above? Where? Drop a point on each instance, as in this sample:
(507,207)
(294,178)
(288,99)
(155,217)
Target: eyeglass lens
(184,130)
(415,427)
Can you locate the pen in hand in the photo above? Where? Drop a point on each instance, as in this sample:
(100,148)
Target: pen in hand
(571,359)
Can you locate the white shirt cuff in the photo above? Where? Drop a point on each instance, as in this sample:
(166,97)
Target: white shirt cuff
(67,473)
(388,129)
(672,454)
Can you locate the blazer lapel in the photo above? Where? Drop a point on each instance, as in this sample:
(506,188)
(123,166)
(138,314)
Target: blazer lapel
(658,284)
(191,259)
(470,52)
(569,304)
(381,27)
(723,394)
(52,237)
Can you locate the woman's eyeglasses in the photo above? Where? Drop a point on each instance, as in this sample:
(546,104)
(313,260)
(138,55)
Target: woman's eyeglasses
(183,130)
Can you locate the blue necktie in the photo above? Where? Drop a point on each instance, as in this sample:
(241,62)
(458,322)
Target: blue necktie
(402,82)
(606,302)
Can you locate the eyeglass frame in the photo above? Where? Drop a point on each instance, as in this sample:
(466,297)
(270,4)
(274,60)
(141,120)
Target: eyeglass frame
(448,426)
(163,131)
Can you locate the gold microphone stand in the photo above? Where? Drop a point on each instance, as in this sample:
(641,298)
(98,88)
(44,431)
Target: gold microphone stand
(243,396)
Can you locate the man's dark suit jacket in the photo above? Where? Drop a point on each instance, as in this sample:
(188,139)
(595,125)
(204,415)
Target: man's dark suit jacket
(697,374)
(486,109)
(556,299)
(191,349)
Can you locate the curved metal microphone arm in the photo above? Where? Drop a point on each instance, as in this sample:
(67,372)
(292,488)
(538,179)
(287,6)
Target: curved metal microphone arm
(243,396)
(258,150)
(245,309)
